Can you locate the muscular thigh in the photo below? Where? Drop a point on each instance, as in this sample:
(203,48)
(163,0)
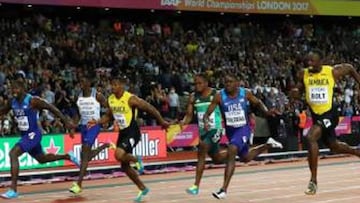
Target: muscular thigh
(327,122)
(129,138)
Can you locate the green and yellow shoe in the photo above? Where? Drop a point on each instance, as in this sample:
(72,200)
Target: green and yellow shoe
(75,188)
(141,195)
(193,190)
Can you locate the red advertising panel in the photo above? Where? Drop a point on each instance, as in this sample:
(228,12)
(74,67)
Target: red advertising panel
(104,156)
(151,146)
(343,128)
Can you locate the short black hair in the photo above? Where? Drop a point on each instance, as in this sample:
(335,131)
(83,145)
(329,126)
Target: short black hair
(87,77)
(203,76)
(20,82)
(121,78)
(233,76)
(318,52)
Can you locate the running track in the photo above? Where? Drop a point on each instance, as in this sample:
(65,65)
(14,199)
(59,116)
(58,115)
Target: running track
(339,181)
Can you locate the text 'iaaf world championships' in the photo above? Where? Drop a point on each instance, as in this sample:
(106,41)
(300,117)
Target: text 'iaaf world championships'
(247,5)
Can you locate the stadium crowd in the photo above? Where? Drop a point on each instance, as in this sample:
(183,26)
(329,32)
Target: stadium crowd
(53,53)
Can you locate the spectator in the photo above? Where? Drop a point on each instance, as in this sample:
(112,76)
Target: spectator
(174,103)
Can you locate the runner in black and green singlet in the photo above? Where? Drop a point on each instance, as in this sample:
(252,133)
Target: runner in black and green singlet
(209,140)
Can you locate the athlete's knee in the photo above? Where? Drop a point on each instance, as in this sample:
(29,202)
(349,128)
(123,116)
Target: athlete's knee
(14,153)
(125,166)
(41,160)
(334,146)
(232,150)
(217,160)
(314,134)
(245,159)
(310,140)
(203,147)
(85,153)
(120,155)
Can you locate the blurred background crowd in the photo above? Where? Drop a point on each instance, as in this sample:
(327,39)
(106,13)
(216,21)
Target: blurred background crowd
(53,51)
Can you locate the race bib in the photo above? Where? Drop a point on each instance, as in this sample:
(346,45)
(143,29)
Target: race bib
(23,123)
(318,95)
(235,118)
(121,120)
(200,116)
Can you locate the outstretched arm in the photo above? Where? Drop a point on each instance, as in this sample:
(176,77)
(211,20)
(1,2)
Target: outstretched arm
(344,69)
(145,106)
(40,104)
(296,92)
(189,111)
(107,116)
(101,99)
(216,101)
(254,101)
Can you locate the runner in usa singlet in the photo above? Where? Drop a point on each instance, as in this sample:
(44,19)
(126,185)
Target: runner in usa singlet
(235,109)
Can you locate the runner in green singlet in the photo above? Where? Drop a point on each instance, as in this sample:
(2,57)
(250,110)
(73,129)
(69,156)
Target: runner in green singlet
(209,140)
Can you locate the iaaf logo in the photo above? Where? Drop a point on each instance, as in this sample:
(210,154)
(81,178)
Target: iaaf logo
(103,155)
(25,160)
(170,2)
(147,146)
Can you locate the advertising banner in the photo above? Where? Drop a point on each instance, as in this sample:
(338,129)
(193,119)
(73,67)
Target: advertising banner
(249,6)
(50,143)
(343,128)
(104,156)
(355,118)
(186,137)
(151,146)
(303,7)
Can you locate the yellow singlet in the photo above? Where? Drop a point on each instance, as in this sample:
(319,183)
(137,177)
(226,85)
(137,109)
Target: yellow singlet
(121,110)
(319,89)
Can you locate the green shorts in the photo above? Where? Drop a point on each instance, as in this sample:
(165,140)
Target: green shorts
(212,138)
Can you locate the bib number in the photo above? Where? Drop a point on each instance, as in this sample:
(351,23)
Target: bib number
(211,123)
(216,138)
(235,118)
(318,95)
(23,123)
(121,120)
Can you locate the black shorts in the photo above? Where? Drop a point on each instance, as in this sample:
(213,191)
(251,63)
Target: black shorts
(129,137)
(328,122)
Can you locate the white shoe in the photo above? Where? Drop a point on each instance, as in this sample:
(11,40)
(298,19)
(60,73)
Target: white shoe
(274,143)
(221,194)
